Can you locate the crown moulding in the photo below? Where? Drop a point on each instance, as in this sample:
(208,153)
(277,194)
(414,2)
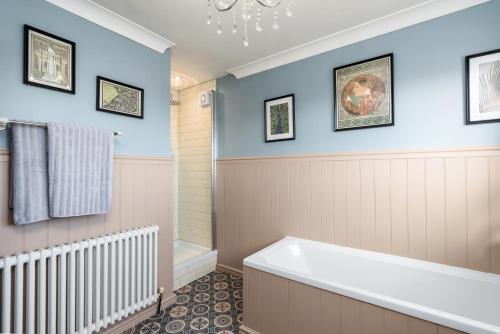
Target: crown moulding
(114,22)
(410,16)
(389,23)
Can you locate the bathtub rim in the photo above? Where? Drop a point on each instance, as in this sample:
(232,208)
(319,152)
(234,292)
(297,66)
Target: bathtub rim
(415,310)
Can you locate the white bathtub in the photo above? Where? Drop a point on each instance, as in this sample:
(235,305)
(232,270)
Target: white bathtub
(458,298)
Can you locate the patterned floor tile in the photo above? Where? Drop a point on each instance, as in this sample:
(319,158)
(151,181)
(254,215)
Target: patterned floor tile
(212,304)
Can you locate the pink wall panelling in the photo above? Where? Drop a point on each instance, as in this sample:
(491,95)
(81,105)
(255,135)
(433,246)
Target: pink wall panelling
(142,196)
(440,206)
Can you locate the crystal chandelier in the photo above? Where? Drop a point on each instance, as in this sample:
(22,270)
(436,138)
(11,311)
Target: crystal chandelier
(248,7)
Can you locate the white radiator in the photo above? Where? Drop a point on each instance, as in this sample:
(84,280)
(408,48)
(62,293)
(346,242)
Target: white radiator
(82,287)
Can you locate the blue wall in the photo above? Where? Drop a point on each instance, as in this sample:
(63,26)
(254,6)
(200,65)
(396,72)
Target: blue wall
(98,52)
(429,88)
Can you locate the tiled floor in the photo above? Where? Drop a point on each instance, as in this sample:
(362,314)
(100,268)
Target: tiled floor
(212,304)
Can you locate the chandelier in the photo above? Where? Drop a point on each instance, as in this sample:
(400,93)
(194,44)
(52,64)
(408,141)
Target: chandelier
(248,7)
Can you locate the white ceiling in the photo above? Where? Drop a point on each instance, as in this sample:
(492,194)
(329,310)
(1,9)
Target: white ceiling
(202,54)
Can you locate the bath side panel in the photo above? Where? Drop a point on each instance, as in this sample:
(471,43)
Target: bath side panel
(277,305)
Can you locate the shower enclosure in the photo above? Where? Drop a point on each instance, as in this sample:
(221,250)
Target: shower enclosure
(193,146)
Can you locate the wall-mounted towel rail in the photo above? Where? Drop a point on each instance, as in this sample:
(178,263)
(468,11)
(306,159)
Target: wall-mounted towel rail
(4,122)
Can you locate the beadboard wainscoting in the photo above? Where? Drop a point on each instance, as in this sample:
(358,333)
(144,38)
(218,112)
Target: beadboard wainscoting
(277,305)
(142,196)
(440,206)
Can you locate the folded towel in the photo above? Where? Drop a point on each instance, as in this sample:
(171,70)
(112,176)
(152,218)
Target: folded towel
(80,170)
(29,188)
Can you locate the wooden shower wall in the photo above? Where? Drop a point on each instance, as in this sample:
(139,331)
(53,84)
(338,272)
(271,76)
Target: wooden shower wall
(142,196)
(440,206)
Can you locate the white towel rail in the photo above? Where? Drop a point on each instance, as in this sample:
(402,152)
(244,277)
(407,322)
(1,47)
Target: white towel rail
(4,122)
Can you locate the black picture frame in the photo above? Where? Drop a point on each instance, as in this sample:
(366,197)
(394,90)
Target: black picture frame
(99,79)
(335,111)
(468,110)
(266,139)
(26,69)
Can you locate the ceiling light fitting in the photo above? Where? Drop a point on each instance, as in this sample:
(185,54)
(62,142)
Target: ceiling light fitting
(248,7)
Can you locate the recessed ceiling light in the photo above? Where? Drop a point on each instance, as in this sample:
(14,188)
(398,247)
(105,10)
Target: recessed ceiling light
(180,81)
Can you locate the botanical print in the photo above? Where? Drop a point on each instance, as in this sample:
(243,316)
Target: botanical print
(120,98)
(279,119)
(364,94)
(483,87)
(48,60)
(489,87)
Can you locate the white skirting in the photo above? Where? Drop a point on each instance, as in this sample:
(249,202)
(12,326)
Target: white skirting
(191,262)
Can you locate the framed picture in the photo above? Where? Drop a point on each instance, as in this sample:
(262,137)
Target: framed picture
(363,94)
(119,98)
(280,118)
(483,87)
(49,61)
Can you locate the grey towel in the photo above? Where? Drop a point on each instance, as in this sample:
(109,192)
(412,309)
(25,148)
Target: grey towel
(29,188)
(80,170)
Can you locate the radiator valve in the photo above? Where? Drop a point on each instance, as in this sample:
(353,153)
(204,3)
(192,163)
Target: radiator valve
(160,291)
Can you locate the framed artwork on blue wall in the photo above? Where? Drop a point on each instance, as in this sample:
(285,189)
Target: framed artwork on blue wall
(49,61)
(363,94)
(483,87)
(119,98)
(279,115)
